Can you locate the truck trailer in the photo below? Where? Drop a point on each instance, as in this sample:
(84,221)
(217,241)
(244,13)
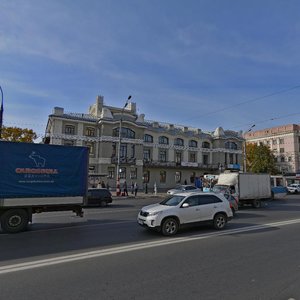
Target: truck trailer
(248,188)
(37,178)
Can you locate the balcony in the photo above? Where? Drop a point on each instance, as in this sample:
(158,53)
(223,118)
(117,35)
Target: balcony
(179,165)
(123,160)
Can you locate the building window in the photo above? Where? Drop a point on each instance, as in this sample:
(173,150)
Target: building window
(163,140)
(274,142)
(178,156)
(125,133)
(163,176)
(132,151)
(133,173)
(205,159)
(146,176)
(281,150)
(281,141)
(123,150)
(122,173)
(290,159)
(147,154)
(192,157)
(90,131)
(111,172)
(281,158)
(148,138)
(163,155)
(114,151)
(179,142)
(231,145)
(231,158)
(68,143)
(69,129)
(91,147)
(177,177)
(193,144)
(206,145)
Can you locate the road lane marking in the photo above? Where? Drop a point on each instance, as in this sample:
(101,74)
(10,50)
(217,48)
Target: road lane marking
(134,247)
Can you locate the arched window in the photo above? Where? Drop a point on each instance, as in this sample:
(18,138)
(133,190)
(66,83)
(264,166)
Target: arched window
(206,145)
(89,131)
(231,145)
(148,138)
(163,140)
(125,133)
(193,143)
(179,142)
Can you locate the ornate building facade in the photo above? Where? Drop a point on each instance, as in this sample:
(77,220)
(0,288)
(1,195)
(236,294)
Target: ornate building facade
(151,152)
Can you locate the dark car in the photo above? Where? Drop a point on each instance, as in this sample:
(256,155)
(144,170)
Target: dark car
(99,197)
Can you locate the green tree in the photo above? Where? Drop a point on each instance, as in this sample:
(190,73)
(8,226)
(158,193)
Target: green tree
(260,159)
(16,134)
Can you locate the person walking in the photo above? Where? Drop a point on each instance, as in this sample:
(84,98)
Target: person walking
(132,187)
(135,189)
(125,191)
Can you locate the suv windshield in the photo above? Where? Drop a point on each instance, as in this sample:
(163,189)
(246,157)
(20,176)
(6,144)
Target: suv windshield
(172,201)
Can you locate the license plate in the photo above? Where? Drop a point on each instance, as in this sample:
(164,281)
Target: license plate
(141,222)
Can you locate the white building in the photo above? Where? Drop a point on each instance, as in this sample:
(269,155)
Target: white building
(150,151)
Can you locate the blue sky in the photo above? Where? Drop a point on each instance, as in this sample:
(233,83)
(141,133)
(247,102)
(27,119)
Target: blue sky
(198,63)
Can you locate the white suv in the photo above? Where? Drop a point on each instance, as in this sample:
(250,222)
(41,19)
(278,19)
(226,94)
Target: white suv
(294,188)
(186,208)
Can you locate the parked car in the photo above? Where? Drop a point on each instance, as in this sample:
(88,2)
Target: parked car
(99,197)
(233,201)
(293,188)
(182,188)
(186,208)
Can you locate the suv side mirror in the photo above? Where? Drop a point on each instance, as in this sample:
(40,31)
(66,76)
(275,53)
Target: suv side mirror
(184,205)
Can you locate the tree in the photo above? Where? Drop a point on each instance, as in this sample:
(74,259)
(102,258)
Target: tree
(16,134)
(260,159)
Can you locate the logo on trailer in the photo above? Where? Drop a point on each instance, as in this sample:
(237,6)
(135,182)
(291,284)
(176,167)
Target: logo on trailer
(38,160)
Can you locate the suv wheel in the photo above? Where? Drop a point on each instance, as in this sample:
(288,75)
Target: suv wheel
(220,221)
(169,226)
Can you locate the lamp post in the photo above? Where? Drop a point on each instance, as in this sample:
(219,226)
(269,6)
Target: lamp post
(245,152)
(118,191)
(1,113)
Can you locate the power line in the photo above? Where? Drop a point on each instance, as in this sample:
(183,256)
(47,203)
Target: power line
(267,120)
(249,101)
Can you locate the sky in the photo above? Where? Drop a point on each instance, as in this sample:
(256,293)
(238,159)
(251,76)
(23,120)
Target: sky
(198,63)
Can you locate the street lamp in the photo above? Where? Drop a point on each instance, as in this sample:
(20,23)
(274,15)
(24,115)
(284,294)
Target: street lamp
(245,152)
(1,113)
(119,148)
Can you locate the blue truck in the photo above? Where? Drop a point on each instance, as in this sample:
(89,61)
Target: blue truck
(37,178)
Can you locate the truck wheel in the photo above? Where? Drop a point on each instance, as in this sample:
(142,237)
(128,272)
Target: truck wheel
(256,203)
(220,221)
(169,226)
(14,220)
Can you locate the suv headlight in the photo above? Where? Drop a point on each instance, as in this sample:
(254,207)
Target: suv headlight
(154,213)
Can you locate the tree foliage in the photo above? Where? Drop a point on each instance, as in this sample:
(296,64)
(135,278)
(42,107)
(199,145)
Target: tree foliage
(260,159)
(16,134)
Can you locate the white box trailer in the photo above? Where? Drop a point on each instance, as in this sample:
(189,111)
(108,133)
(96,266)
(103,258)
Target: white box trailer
(249,188)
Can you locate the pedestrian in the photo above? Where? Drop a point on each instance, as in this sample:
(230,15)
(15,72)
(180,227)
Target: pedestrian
(125,188)
(132,187)
(107,186)
(185,182)
(103,184)
(135,189)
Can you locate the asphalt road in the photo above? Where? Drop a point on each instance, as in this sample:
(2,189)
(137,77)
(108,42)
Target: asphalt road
(106,255)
